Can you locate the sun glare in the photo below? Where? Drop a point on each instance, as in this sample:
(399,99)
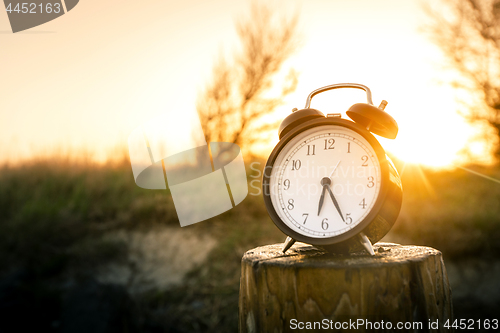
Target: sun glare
(402,67)
(377,45)
(429,141)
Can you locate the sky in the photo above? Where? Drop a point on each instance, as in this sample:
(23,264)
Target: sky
(87,79)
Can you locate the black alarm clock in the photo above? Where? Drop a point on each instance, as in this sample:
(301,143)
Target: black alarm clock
(328,182)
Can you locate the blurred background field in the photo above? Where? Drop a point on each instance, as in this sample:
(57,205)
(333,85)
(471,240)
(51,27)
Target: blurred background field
(79,237)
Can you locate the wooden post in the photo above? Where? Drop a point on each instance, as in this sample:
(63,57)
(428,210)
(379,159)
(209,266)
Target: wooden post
(406,284)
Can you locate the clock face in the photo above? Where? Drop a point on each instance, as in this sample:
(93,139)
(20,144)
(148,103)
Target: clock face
(325,181)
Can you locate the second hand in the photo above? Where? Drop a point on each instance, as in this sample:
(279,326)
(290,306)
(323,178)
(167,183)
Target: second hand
(334,170)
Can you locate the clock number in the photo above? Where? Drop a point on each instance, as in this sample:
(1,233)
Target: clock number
(286,183)
(296,164)
(290,204)
(324,224)
(313,150)
(363,203)
(365,160)
(371,182)
(306,215)
(348,147)
(348,218)
(329,144)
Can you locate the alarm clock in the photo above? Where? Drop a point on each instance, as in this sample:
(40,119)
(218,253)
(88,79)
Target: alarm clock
(328,182)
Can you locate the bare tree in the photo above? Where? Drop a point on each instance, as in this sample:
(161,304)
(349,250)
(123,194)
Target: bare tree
(468,32)
(232,106)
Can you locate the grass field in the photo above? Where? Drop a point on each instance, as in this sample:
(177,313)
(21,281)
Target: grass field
(457,212)
(54,213)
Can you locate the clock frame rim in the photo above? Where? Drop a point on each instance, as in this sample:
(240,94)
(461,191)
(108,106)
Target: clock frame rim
(385,183)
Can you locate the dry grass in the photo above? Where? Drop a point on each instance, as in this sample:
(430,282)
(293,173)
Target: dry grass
(455,211)
(53,213)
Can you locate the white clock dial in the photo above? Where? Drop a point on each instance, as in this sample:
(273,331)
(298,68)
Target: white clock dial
(328,161)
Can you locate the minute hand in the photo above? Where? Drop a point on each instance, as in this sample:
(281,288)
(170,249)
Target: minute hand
(335,202)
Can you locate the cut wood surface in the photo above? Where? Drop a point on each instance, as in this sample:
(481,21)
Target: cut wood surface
(398,284)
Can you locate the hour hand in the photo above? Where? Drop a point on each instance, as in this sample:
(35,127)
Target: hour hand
(321,199)
(335,203)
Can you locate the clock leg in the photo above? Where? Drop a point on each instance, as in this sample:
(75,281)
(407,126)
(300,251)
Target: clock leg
(366,243)
(288,244)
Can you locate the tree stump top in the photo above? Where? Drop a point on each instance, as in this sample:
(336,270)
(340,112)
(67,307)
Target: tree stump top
(398,284)
(305,255)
